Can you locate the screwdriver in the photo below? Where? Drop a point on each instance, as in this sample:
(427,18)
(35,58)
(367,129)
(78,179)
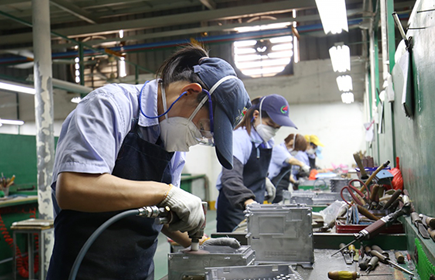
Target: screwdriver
(346,254)
(372,264)
(376,227)
(364,261)
(379,249)
(385,259)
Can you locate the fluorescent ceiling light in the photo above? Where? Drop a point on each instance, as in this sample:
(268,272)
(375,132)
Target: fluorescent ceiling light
(347,97)
(333,15)
(11,122)
(344,83)
(17,88)
(340,58)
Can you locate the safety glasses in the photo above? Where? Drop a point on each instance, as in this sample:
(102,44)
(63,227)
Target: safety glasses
(206,127)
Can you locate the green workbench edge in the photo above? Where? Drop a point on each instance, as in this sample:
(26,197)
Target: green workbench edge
(428,245)
(191,177)
(19,201)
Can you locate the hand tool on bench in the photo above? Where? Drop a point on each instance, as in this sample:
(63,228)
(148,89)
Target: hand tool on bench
(363,172)
(374,229)
(385,259)
(418,223)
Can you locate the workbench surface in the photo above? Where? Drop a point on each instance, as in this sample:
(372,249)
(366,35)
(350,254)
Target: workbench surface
(14,200)
(323,263)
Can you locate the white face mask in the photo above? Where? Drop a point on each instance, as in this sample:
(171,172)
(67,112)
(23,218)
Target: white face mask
(266,132)
(310,151)
(177,133)
(294,153)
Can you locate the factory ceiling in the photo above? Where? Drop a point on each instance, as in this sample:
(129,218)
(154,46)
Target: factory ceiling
(155,25)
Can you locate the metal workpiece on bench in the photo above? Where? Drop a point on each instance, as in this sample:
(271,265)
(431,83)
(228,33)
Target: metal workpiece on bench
(281,233)
(253,272)
(184,264)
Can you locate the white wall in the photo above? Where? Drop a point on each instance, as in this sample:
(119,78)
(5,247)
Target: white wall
(338,126)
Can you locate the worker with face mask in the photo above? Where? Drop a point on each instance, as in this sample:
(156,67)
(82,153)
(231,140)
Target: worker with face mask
(253,142)
(282,161)
(123,148)
(308,156)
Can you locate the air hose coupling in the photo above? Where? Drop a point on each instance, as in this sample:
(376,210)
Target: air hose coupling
(164,214)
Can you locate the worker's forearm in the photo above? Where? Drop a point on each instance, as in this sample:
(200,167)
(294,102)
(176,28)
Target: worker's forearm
(181,238)
(105,192)
(294,161)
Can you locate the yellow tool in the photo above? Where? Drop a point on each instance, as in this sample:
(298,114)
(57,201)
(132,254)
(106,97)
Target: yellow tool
(343,275)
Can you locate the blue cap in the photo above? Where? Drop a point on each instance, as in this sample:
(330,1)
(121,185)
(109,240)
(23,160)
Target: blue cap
(231,100)
(277,108)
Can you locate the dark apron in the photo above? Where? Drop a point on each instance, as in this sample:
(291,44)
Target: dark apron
(125,250)
(254,174)
(281,182)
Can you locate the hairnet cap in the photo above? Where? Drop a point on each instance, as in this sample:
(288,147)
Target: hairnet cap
(314,139)
(277,108)
(231,99)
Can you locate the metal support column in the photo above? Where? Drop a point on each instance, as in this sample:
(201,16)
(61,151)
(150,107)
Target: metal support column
(43,114)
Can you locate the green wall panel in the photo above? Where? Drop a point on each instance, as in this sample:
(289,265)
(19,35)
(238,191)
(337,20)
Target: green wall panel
(18,156)
(415,136)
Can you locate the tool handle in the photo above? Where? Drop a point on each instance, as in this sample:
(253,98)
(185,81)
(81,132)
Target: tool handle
(367,250)
(374,193)
(405,192)
(344,247)
(379,249)
(361,166)
(342,275)
(381,257)
(393,198)
(363,264)
(400,258)
(373,229)
(366,213)
(372,263)
(369,180)
(431,233)
(430,222)
(415,217)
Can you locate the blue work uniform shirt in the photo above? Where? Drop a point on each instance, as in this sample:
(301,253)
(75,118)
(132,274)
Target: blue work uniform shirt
(242,147)
(280,158)
(92,134)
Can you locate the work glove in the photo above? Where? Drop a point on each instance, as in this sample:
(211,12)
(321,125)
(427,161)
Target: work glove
(187,207)
(271,190)
(222,241)
(306,169)
(295,185)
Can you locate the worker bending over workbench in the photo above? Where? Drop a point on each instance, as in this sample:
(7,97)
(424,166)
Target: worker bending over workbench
(123,148)
(253,140)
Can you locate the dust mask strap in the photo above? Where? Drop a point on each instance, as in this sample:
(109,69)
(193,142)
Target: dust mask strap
(218,83)
(165,107)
